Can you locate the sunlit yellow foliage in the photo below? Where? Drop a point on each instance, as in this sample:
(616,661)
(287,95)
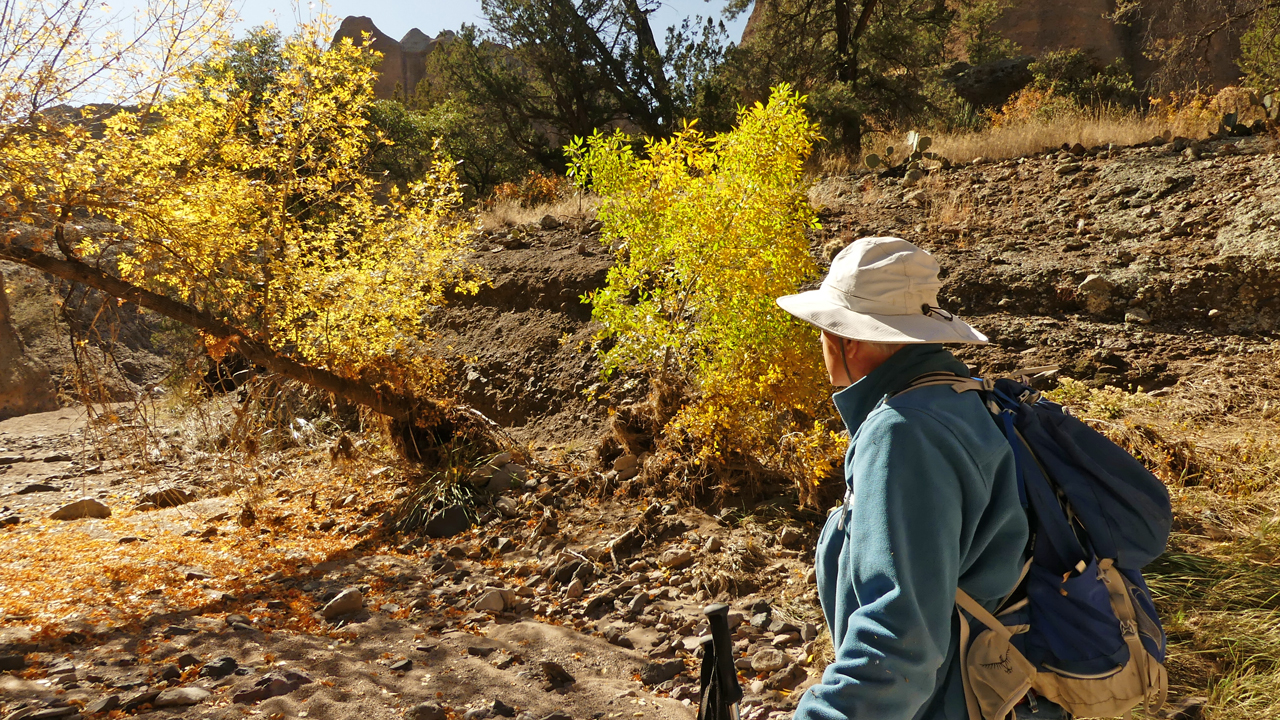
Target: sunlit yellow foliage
(261,213)
(712,230)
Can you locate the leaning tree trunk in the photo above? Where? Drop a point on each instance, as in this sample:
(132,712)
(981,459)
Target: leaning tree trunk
(848,38)
(398,407)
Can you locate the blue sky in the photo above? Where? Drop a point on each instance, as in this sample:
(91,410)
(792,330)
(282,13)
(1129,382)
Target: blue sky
(396,17)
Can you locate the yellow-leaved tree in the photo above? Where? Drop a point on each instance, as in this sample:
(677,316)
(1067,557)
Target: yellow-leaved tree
(710,230)
(251,216)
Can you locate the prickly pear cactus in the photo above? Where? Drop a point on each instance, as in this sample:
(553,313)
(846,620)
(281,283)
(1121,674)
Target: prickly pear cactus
(917,151)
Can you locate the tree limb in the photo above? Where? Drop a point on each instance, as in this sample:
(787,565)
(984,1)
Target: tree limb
(383,402)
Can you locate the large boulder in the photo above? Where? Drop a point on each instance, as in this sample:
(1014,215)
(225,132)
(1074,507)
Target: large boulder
(990,84)
(25,385)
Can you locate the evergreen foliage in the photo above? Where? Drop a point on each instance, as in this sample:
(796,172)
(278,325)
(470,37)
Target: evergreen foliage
(1260,51)
(547,71)
(1080,77)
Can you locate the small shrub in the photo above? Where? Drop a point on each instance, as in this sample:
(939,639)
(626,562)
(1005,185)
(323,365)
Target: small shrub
(1106,403)
(712,230)
(1082,79)
(533,190)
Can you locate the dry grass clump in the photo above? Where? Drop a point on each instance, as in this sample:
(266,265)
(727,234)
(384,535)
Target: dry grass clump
(508,212)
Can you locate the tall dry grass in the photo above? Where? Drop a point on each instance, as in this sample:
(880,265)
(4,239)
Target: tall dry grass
(1030,137)
(507,212)
(1034,121)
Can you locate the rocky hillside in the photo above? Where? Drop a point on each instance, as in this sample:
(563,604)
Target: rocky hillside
(272,583)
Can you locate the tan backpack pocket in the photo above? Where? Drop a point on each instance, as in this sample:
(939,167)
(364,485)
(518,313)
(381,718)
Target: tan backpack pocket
(996,676)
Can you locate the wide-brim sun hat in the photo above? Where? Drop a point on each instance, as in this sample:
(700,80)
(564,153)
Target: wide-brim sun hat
(881,290)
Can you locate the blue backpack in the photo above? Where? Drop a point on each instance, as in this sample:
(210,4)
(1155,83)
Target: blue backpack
(1080,629)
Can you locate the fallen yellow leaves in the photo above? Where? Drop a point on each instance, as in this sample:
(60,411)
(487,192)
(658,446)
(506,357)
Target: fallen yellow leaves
(56,575)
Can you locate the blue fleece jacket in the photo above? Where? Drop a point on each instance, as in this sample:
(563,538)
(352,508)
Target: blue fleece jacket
(934,507)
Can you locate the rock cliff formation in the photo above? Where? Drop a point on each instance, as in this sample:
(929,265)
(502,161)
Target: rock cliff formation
(1040,26)
(404,63)
(25,386)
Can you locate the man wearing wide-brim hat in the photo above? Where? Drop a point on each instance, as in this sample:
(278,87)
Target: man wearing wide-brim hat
(932,499)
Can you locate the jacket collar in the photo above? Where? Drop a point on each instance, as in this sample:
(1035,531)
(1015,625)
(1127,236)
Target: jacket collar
(857,401)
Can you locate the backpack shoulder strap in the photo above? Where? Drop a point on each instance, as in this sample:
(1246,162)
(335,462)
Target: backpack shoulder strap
(958,383)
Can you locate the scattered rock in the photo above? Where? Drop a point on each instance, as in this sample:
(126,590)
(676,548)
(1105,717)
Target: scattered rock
(1138,316)
(181,697)
(37,488)
(558,715)
(490,601)
(426,711)
(104,705)
(575,589)
(219,668)
(82,508)
(8,459)
(790,537)
(48,713)
(768,660)
(143,698)
(402,666)
(617,635)
(550,222)
(556,675)
(1068,168)
(502,709)
(347,601)
(1096,292)
(675,558)
(637,604)
(167,497)
(12,662)
(785,639)
(271,685)
(447,523)
(652,673)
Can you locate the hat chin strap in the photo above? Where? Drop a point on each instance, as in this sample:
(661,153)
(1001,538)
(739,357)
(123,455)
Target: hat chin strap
(845,360)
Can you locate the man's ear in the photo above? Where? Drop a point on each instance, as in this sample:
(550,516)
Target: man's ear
(852,347)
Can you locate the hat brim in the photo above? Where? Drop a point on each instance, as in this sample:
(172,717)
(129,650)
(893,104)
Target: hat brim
(815,308)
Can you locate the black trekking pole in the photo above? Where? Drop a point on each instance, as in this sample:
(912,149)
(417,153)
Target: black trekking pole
(720,689)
